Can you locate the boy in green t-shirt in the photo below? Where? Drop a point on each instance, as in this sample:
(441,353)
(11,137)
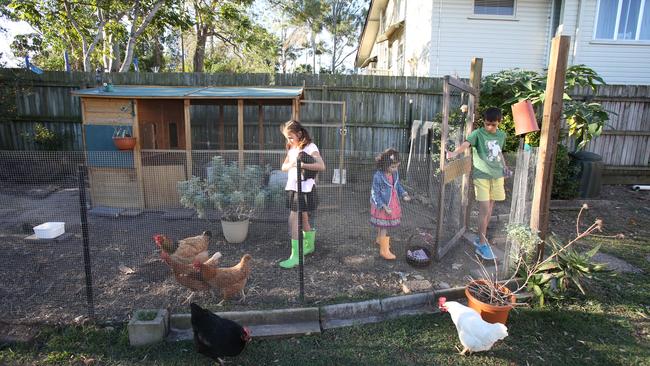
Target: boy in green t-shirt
(489,170)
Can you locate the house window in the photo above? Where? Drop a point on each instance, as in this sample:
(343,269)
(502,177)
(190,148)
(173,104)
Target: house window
(627,20)
(494,7)
(400,56)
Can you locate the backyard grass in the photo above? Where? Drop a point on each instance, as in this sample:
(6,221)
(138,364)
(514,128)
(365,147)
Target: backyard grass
(611,326)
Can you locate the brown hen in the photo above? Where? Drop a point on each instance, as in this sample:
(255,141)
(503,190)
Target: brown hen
(229,281)
(186,250)
(186,275)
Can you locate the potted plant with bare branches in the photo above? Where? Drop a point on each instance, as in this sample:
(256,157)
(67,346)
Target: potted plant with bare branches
(550,277)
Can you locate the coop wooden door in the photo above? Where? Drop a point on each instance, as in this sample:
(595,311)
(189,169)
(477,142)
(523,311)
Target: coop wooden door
(160,182)
(454,194)
(325,121)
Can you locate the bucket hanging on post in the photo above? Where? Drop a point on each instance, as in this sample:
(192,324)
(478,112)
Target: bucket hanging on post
(524,117)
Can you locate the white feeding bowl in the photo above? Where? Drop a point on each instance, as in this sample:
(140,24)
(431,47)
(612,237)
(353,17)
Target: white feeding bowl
(49,230)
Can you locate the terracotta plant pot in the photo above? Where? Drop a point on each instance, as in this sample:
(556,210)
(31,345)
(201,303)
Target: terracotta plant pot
(124,143)
(489,313)
(524,117)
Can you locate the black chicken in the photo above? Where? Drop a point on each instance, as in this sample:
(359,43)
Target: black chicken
(217,337)
(307,159)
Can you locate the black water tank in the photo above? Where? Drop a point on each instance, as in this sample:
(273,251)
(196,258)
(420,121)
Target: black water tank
(590,173)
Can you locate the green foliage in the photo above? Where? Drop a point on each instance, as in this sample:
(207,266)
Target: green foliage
(526,239)
(303,69)
(585,119)
(569,269)
(239,44)
(44,138)
(121,131)
(234,192)
(343,21)
(74,28)
(193,195)
(146,315)
(565,183)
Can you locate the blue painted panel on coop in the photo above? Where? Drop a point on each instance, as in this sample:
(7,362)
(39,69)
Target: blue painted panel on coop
(101,150)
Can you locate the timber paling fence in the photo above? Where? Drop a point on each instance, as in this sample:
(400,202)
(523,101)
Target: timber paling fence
(378,111)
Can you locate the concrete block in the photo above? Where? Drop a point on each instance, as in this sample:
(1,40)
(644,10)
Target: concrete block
(271,323)
(397,303)
(143,332)
(180,321)
(340,315)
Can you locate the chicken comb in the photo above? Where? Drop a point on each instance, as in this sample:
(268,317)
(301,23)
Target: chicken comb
(442,300)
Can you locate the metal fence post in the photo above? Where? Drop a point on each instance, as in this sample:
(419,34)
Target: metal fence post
(301,274)
(84,231)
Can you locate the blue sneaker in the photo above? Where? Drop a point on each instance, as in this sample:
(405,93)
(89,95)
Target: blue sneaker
(476,243)
(485,252)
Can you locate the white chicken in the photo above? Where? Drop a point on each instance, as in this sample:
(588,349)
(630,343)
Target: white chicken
(475,334)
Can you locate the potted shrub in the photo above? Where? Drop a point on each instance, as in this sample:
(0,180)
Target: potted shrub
(122,138)
(494,299)
(232,190)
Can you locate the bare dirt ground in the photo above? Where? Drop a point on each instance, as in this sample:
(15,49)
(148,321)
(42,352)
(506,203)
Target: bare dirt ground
(46,282)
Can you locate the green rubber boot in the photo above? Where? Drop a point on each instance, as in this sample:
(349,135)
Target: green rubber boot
(309,239)
(293,259)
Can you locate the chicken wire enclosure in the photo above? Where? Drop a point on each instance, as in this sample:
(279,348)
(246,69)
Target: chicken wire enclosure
(325,121)
(45,281)
(134,195)
(444,184)
(42,280)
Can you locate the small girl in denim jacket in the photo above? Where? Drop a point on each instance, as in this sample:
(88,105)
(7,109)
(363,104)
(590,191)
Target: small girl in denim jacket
(385,210)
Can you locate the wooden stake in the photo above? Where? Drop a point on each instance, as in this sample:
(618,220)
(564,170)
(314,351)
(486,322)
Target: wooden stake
(137,154)
(240,131)
(260,131)
(476,69)
(549,137)
(188,138)
(222,129)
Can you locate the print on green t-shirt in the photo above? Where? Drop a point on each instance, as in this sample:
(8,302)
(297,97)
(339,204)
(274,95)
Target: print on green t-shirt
(486,153)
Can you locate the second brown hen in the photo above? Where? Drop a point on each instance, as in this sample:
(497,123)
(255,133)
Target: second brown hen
(186,275)
(230,281)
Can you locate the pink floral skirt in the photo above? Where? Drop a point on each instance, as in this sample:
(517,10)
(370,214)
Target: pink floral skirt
(380,218)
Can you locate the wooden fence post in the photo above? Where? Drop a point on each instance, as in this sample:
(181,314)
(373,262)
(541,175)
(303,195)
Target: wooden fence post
(476,71)
(549,137)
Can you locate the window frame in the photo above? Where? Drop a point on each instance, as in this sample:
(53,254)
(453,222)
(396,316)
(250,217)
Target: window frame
(494,16)
(615,38)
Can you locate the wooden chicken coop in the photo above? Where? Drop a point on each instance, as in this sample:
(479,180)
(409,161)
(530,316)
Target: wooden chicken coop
(160,119)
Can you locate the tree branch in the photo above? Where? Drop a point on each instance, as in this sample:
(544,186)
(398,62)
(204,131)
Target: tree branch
(66,5)
(148,18)
(341,60)
(226,40)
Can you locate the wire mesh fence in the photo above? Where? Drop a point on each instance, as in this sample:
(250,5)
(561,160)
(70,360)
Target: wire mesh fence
(129,199)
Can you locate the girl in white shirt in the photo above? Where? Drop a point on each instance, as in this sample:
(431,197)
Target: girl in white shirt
(298,141)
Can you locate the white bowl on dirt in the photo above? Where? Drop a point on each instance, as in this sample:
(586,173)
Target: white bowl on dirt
(49,230)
